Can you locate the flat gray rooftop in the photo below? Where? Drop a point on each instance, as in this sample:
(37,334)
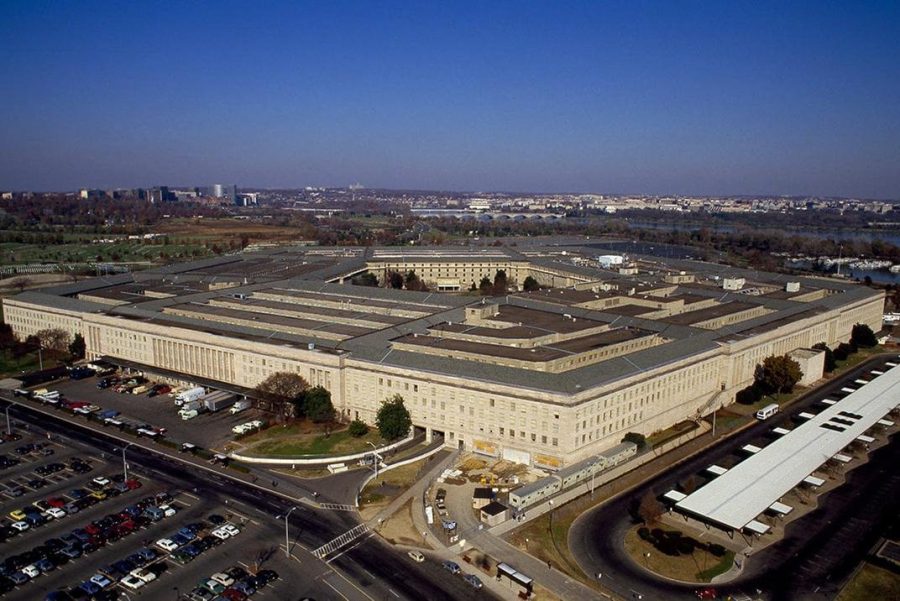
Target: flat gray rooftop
(742,493)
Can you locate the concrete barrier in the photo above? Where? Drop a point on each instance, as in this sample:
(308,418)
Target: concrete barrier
(316,460)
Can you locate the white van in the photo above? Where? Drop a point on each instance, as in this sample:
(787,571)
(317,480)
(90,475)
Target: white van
(767,411)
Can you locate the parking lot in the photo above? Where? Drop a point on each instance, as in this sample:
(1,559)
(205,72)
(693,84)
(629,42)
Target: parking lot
(91,529)
(207,430)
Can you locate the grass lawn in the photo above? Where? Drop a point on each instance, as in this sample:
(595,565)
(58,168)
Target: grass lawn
(549,544)
(663,436)
(304,438)
(389,485)
(11,367)
(871,582)
(699,566)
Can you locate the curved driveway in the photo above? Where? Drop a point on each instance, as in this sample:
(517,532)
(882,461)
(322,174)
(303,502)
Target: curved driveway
(800,566)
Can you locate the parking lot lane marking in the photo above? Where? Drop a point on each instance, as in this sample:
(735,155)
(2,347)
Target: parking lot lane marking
(393,593)
(335,590)
(194,497)
(294,557)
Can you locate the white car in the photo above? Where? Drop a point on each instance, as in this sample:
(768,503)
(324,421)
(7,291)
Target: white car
(416,556)
(132,582)
(223,579)
(240,429)
(101,480)
(145,575)
(31,571)
(255,423)
(231,529)
(166,544)
(56,513)
(167,510)
(220,534)
(101,580)
(20,526)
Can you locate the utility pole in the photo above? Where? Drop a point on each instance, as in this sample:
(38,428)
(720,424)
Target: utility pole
(287,538)
(377,457)
(8,424)
(125,463)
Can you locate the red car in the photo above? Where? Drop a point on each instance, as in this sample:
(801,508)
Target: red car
(707,593)
(133,484)
(232,594)
(57,502)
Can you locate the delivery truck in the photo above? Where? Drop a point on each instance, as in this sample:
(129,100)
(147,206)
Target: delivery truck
(191,394)
(240,406)
(218,400)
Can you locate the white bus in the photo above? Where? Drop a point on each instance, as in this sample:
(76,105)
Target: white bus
(767,411)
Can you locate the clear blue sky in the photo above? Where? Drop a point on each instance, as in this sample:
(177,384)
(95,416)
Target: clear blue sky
(635,97)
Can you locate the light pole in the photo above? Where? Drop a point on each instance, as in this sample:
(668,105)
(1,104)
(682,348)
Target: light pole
(287,539)
(40,358)
(377,457)
(125,463)
(8,424)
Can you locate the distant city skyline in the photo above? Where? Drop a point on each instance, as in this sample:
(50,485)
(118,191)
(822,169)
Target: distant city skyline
(610,98)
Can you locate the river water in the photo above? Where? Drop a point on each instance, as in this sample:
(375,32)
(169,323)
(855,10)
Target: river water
(887,235)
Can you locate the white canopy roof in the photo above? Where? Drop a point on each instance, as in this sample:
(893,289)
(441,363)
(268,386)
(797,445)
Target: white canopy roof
(745,491)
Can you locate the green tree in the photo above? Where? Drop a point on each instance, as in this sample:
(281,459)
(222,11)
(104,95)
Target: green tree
(863,336)
(8,338)
(317,405)
(639,439)
(365,279)
(77,347)
(844,350)
(748,396)
(393,419)
(395,280)
(501,283)
(485,286)
(830,361)
(778,374)
(412,282)
(358,429)
(530,284)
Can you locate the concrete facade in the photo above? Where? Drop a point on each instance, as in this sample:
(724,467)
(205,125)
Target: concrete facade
(350,343)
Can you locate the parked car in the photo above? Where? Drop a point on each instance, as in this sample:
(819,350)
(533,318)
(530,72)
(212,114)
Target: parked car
(416,556)
(452,567)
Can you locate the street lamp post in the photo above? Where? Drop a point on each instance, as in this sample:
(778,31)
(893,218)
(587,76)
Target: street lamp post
(8,423)
(287,538)
(377,456)
(40,358)
(125,463)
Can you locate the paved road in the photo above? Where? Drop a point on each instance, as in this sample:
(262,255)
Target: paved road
(794,568)
(371,566)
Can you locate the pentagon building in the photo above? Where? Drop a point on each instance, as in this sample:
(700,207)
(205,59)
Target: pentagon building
(546,378)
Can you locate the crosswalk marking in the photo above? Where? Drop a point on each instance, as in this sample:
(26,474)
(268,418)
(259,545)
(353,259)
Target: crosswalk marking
(341,540)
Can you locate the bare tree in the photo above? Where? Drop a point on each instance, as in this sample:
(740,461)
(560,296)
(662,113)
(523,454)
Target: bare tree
(650,509)
(22,283)
(281,393)
(55,340)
